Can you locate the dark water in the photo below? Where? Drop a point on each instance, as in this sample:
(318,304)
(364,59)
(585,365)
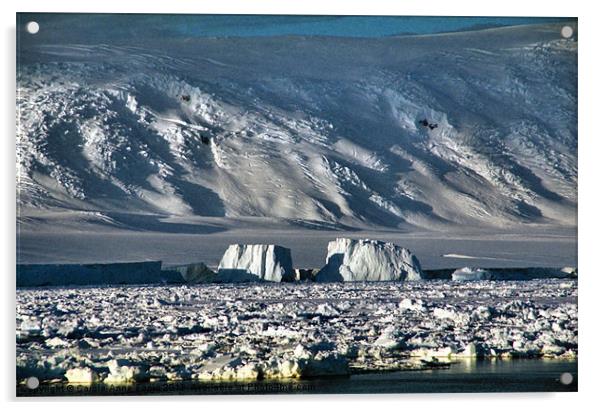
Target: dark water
(469,376)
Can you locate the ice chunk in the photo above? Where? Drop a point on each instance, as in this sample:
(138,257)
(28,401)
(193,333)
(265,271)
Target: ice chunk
(286,369)
(326,364)
(470,350)
(368,260)
(472,274)
(122,372)
(250,371)
(327,310)
(30,326)
(243,263)
(450,314)
(81,375)
(322,364)
(569,271)
(411,304)
(388,339)
(56,342)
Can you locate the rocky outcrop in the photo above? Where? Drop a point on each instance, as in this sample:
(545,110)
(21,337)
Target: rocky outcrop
(368,260)
(242,263)
(196,273)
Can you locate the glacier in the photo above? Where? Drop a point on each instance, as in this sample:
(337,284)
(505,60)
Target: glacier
(325,131)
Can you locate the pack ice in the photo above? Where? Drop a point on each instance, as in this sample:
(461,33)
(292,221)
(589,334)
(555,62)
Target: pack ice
(242,263)
(368,260)
(224,331)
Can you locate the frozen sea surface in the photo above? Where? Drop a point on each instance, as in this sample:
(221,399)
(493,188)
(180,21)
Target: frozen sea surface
(229,332)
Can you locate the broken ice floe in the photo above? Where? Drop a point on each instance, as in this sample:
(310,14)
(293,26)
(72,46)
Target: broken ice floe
(139,334)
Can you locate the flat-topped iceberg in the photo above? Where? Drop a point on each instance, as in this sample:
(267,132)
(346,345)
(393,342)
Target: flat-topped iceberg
(472,274)
(368,260)
(127,273)
(242,263)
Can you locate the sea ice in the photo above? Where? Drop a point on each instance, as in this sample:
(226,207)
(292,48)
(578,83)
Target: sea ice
(229,331)
(120,372)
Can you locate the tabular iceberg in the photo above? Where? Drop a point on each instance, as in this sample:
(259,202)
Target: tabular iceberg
(472,274)
(126,273)
(242,263)
(368,260)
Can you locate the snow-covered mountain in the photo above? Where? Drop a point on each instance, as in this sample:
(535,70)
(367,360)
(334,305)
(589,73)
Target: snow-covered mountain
(321,130)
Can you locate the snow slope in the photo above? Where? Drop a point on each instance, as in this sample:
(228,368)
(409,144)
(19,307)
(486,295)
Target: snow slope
(323,131)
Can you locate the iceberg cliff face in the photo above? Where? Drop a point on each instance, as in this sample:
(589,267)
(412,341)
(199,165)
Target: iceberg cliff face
(242,263)
(94,274)
(368,260)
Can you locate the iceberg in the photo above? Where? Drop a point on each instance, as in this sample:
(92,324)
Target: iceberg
(472,274)
(368,260)
(244,263)
(127,273)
